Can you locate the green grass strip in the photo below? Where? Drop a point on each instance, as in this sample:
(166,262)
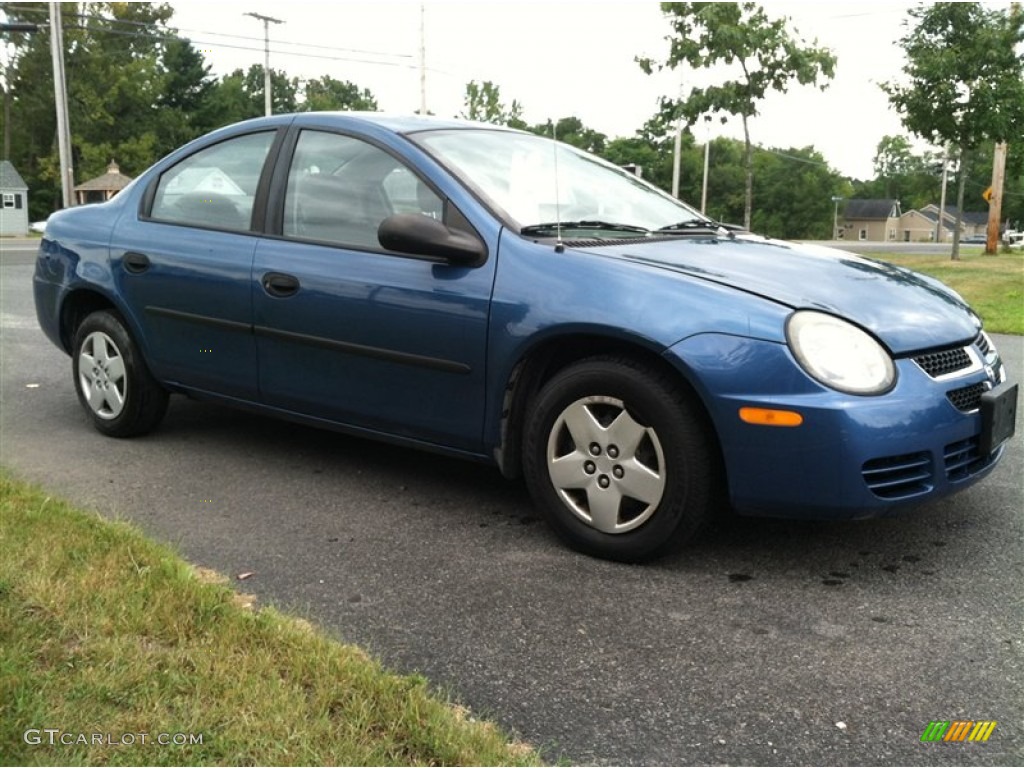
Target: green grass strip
(107,637)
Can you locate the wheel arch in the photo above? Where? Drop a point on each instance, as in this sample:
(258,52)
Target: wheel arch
(537,365)
(81,302)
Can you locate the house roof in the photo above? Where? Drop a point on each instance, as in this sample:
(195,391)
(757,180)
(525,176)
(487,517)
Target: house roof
(869,209)
(974,218)
(112,180)
(9,176)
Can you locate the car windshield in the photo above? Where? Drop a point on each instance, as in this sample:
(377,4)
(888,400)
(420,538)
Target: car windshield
(516,174)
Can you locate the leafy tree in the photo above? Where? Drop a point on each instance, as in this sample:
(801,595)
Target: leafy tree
(184,96)
(913,179)
(741,34)
(571,130)
(800,186)
(965,80)
(326,94)
(483,103)
(113,79)
(239,95)
(653,157)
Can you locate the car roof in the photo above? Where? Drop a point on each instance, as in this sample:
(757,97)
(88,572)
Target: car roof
(392,121)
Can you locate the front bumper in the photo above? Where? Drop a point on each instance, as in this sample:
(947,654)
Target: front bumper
(852,456)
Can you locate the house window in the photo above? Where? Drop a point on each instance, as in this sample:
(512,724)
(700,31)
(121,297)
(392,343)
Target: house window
(8,200)
(863,234)
(892,234)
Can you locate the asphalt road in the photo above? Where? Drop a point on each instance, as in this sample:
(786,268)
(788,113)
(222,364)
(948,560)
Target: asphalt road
(765,643)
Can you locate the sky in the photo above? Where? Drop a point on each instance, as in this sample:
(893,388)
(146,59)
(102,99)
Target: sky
(565,58)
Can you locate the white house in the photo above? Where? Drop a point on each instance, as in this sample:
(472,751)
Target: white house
(14,202)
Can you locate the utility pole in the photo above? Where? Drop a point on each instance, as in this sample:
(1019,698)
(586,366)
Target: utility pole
(60,95)
(267,20)
(423,60)
(995,199)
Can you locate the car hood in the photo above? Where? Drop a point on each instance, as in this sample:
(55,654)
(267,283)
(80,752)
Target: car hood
(908,312)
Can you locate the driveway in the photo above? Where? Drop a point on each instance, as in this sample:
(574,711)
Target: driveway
(765,643)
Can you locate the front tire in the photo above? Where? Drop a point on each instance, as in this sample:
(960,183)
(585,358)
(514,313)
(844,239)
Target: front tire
(112,381)
(621,462)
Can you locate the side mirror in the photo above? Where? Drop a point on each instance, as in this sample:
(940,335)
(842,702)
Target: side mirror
(424,236)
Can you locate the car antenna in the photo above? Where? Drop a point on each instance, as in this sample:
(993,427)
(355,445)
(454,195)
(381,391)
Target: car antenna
(559,247)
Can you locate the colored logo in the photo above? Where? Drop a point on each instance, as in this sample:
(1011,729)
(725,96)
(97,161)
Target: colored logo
(958,730)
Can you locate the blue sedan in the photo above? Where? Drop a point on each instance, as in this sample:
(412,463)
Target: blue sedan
(495,295)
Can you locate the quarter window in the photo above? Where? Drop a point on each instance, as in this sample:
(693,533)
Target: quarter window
(340,189)
(215,187)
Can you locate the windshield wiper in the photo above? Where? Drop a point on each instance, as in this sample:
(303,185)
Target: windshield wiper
(681,226)
(608,226)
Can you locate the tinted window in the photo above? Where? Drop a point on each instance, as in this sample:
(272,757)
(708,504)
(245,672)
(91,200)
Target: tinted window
(216,186)
(340,189)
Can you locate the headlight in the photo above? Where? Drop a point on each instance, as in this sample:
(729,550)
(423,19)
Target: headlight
(839,355)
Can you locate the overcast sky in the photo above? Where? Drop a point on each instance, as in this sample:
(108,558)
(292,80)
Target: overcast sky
(561,58)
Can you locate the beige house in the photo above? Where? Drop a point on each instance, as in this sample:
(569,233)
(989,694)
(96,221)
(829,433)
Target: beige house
(883,221)
(971,222)
(874,220)
(102,188)
(916,227)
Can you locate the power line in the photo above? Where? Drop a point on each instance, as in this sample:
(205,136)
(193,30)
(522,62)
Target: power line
(153,31)
(196,41)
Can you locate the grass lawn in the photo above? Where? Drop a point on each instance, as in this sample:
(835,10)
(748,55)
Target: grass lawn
(107,638)
(993,285)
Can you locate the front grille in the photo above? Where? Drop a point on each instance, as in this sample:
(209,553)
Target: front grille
(963,459)
(897,477)
(937,364)
(967,398)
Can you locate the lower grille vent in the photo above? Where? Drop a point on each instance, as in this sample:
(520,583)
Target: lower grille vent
(898,477)
(963,459)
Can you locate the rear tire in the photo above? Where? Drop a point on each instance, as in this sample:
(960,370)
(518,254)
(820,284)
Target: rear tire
(112,381)
(619,460)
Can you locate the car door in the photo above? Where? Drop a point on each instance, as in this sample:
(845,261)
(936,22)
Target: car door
(350,332)
(185,266)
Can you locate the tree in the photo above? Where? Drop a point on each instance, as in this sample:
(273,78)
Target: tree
(965,81)
(327,94)
(900,174)
(800,186)
(653,157)
(184,96)
(239,95)
(483,103)
(740,34)
(571,130)
(113,77)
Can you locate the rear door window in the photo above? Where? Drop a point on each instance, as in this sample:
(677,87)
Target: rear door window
(215,187)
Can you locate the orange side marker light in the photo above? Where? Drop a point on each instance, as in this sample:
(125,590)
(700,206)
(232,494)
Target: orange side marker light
(771,417)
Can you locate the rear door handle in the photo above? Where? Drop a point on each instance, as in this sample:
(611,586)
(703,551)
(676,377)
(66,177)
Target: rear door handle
(279,284)
(136,263)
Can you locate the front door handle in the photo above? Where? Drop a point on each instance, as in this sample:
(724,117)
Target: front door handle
(136,263)
(280,285)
